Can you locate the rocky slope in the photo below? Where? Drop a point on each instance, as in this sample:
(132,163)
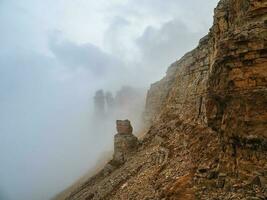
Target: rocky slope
(207,119)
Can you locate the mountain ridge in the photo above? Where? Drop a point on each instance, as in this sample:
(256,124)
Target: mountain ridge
(206,120)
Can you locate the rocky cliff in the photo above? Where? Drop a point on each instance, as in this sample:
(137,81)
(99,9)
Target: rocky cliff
(207,119)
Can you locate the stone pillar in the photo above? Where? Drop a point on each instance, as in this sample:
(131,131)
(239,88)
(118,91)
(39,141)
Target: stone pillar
(110,102)
(99,103)
(124,141)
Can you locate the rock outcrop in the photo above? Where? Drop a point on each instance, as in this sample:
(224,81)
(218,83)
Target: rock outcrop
(207,119)
(124,141)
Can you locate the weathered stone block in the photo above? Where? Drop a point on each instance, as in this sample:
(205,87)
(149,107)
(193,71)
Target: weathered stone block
(124,126)
(124,141)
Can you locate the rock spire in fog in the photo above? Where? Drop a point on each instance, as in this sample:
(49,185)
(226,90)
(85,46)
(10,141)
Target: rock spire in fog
(99,104)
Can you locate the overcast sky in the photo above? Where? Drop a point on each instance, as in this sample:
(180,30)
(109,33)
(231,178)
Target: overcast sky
(54,55)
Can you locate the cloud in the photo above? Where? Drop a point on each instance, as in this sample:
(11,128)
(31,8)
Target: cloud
(44,126)
(87,56)
(2,194)
(153,34)
(169,43)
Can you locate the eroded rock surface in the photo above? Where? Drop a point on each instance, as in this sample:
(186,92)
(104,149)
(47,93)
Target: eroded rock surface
(124,141)
(207,117)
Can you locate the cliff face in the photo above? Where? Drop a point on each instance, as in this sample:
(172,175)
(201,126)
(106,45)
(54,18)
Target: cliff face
(208,120)
(227,69)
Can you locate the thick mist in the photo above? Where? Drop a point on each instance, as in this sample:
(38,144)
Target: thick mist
(57,59)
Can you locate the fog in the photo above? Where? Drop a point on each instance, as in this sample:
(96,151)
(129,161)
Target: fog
(55,56)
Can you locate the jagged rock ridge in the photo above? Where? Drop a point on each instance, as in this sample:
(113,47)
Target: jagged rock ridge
(207,119)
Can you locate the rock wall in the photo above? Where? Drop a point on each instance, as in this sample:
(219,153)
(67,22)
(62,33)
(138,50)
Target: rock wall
(229,62)
(221,83)
(238,78)
(183,90)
